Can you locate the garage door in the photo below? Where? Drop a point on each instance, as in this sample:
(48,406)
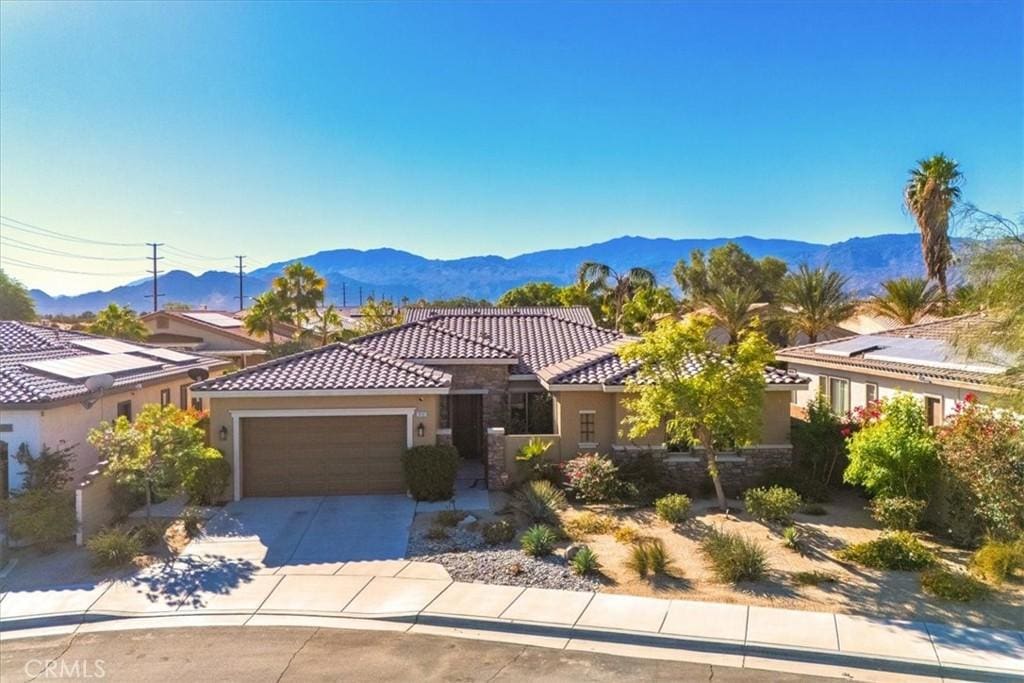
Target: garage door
(321,456)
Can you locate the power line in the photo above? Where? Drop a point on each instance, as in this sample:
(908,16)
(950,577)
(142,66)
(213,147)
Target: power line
(36,266)
(182,253)
(45,232)
(27,246)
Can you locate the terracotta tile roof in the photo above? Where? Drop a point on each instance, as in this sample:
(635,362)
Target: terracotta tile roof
(947,330)
(333,367)
(425,341)
(22,343)
(576,314)
(604,367)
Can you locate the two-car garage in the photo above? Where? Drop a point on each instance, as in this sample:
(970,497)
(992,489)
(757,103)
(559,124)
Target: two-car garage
(321,455)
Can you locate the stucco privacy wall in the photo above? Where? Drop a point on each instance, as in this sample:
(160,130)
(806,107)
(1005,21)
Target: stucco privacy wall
(222,407)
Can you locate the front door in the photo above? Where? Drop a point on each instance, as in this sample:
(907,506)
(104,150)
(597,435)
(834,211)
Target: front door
(467,420)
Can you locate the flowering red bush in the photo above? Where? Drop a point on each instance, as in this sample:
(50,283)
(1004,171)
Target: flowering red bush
(983,451)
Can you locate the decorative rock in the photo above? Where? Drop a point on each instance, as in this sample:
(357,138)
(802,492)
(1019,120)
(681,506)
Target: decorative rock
(571,551)
(511,568)
(466,521)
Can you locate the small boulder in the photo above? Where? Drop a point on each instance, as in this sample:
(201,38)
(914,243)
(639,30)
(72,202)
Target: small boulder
(571,551)
(466,521)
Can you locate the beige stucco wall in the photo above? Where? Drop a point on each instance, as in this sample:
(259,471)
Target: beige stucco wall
(72,422)
(212,341)
(221,413)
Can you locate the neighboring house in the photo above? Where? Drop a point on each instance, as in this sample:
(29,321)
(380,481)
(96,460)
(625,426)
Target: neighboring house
(337,419)
(921,359)
(577,314)
(49,391)
(217,333)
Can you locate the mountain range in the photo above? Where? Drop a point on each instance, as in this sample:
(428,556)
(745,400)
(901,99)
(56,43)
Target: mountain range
(396,274)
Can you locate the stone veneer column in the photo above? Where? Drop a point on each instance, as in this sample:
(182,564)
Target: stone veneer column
(498,477)
(444,437)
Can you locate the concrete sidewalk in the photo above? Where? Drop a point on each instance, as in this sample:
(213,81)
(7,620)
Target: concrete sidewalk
(420,598)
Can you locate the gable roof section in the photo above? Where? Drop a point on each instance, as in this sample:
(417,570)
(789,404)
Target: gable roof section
(576,314)
(944,330)
(197,321)
(424,341)
(22,344)
(335,368)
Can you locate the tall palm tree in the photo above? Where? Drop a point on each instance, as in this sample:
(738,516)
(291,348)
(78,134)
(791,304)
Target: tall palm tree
(814,300)
(302,289)
(731,308)
(598,278)
(930,193)
(120,322)
(906,299)
(267,310)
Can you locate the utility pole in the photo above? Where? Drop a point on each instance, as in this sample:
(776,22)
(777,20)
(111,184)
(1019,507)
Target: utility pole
(241,275)
(154,258)
(360,295)
(344,299)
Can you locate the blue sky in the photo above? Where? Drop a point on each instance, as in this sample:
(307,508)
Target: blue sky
(468,128)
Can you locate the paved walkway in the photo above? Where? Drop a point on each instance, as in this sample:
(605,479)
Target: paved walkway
(419,597)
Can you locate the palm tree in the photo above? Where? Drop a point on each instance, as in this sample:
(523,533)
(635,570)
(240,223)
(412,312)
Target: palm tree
(302,289)
(329,326)
(120,322)
(930,193)
(266,312)
(598,278)
(814,300)
(731,308)
(906,299)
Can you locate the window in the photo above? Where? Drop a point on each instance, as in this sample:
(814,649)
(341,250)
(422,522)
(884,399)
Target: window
(183,397)
(870,392)
(197,403)
(165,397)
(588,432)
(837,391)
(124,409)
(530,413)
(933,410)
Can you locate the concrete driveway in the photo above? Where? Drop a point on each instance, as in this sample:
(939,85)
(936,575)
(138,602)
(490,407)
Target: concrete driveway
(315,533)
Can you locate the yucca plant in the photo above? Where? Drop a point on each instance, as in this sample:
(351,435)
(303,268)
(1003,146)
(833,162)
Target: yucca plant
(584,561)
(538,540)
(540,501)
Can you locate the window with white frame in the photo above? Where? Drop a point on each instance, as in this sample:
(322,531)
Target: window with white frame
(837,393)
(870,392)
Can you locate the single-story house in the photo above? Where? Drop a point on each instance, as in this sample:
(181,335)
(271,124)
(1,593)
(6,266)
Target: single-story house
(923,359)
(337,419)
(218,333)
(56,385)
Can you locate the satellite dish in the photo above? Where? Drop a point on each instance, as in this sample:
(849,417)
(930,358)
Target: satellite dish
(98,383)
(198,374)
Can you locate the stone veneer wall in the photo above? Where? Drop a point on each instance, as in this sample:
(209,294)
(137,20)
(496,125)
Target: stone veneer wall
(443,437)
(493,378)
(498,476)
(738,470)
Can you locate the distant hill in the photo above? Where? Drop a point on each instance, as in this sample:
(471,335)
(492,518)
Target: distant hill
(395,273)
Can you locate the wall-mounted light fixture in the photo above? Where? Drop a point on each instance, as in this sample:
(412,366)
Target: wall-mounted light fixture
(421,430)
(223,433)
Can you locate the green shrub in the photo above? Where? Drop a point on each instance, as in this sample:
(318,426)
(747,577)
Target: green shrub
(540,500)
(538,540)
(950,585)
(998,561)
(587,523)
(498,531)
(206,479)
(531,457)
(437,533)
(584,561)
(813,578)
(41,517)
(113,547)
(673,508)
(149,534)
(733,558)
(898,513)
(810,489)
(819,443)
(648,556)
(593,478)
(899,550)
(430,471)
(772,504)
(791,538)
(449,517)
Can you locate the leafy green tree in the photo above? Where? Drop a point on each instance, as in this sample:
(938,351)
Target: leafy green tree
(906,300)
(377,316)
(648,305)
(728,267)
(814,300)
(532,294)
(614,287)
(896,454)
(120,322)
(163,451)
(15,301)
(267,310)
(720,403)
(819,440)
(932,190)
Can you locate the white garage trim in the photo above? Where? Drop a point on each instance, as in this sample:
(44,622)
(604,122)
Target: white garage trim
(236,428)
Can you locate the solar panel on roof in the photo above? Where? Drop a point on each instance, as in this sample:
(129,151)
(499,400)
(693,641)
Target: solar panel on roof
(80,367)
(850,347)
(105,345)
(167,355)
(931,353)
(218,319)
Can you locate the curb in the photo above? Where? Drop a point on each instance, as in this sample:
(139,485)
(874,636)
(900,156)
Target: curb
(59,624)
